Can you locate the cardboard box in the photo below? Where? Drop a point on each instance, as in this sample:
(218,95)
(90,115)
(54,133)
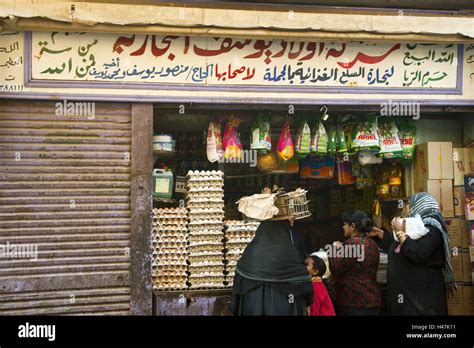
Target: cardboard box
(461,164)
(471,257)
(468,299)
(442,190)
(456,260)
(454,231)
(456,302)
(465,240)
(470,232)
(459,201)
(469,183)
(469,206)
(466,267)
(433,160)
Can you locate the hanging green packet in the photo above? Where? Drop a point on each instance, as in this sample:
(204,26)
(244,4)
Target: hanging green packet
(303,139)
(390,145)
(332,138)
(319,140)
(407,128)
(365,134)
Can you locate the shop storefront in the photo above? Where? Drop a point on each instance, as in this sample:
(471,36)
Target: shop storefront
(86,118)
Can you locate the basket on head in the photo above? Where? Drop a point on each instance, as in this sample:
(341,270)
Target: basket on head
(292,205)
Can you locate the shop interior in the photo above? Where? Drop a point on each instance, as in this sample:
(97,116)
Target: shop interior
(378,189)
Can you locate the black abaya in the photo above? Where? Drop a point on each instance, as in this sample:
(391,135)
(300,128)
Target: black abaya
(415,280)
(271,276)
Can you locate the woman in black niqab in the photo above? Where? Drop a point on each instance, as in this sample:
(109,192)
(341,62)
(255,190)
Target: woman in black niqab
(271,276)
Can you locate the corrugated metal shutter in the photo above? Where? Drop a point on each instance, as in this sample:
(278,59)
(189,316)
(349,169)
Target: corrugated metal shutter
(65,187)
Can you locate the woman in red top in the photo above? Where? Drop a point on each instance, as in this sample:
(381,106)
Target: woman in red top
(354,263)
(322,304)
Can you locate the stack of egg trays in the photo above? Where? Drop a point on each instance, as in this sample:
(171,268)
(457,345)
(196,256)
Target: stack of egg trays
(238,234)
(169,240)
(205,201)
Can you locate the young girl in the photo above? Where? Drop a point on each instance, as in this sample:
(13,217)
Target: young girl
(322,304)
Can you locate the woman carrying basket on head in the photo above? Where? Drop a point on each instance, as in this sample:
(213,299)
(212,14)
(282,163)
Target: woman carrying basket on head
(271,276)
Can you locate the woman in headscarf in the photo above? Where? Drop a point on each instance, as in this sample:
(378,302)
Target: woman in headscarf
(271,277)
(415,280)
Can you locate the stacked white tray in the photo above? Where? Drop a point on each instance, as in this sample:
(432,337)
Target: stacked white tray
(169,264)
(205,201)
(238,234)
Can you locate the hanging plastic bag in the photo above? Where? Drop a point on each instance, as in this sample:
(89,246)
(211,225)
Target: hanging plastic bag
(303,140)
(332,139)
(285,148)
(407,128)
(231,139)
(260,135)
(390,145)
(341,139)
(365,134)
(319,141)
(214,142)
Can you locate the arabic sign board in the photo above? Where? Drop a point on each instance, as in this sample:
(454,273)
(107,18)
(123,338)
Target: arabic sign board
(11,62)
(183,60)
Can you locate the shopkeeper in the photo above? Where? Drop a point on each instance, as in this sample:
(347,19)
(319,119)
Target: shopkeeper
(415,281)
(271,276)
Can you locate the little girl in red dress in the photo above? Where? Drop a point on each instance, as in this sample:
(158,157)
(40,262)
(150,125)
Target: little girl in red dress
(322,304)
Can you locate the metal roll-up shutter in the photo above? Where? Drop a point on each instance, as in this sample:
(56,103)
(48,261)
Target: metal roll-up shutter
(64,188)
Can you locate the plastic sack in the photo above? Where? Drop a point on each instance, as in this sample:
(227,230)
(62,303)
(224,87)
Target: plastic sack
(285,148)
(341,138)
(407,128)
(415,228)
(365,134)
(231,139)
(390,145)
(260,135)
(303,140)
(267,162)
(332,139)
(319,141)
(368,157)
(344,172)
(214,142)
(260,206)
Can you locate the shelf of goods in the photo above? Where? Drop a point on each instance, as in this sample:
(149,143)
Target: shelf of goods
(169,258)
(238,234)
(205,201)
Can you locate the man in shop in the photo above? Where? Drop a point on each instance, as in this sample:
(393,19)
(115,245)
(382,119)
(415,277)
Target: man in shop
(271,276)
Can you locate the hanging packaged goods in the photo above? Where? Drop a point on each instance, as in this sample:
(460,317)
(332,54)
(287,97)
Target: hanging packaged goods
(260,135)
(332,138)
(285,148)
(317,167)
(267,162)
(319,140)
(344,172)
(231,139)
(214,141)
(365,134)
(407,128)
(303,139)
(390,145)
